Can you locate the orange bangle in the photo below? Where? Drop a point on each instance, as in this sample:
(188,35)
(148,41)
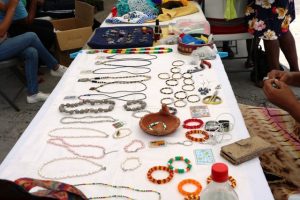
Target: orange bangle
(230,179)
(160,181)
(189,136)
(189,181)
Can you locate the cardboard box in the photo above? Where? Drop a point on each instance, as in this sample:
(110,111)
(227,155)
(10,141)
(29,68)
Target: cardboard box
(73,33)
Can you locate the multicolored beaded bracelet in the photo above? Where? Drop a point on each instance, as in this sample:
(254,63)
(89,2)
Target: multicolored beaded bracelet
(192,197)
(160,168)
(189,181)
(230,179)
(189,136)
(193,120)
(178,170)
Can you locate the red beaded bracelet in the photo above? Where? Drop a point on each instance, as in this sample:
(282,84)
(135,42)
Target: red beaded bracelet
(193,120)
(189,136)
(160,181)
(189,181)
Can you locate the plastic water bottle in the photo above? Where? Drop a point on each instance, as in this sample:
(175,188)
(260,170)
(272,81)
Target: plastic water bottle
(219,188)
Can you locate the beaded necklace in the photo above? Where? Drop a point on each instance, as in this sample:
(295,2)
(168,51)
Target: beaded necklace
(152,57)
(52,133)
(146,70)
(110,62)
(62,143)
(110,103)
(116,82)
(42,168)
(101,86)
(147,50)
(121,97)
(101,119)
(118,187)
(96,79)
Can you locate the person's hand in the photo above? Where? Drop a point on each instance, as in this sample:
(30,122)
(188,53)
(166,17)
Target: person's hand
(281,76)
(280,94)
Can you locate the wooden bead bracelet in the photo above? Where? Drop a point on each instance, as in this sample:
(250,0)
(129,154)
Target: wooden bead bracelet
(178,170)
(189,136)
(160,181)
(189,181)
(193,120)
(230,179)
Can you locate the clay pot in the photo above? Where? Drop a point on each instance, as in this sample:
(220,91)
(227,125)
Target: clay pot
(160,123)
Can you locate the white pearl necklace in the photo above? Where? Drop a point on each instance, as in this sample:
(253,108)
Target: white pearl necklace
(56,130)
(42,174)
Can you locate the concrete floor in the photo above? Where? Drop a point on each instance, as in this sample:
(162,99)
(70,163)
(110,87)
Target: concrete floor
(14,123)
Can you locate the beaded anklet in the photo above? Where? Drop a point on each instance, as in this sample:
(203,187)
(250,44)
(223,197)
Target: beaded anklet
(186,123)
(189,136)
(178,170)
(160,168)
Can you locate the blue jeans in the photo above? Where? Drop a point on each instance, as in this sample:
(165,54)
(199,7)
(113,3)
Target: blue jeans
(29,47)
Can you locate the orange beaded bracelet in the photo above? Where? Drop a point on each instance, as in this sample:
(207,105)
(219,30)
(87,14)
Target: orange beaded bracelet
(160,181)
(189,136)
(230,179)
(189,181)
(192,197)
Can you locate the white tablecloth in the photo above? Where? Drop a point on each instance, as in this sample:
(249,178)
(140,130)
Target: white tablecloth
(32,151)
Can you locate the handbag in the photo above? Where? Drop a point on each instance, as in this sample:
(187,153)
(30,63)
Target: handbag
(51,190)
(245,149)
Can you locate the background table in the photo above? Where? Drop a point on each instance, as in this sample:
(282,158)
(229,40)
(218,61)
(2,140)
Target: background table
(32,151)
(198,16)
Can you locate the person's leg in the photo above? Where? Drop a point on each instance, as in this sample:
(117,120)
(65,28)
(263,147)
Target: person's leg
(288,47)
(44,54)
(272,52)
(14,46)
(227,48)
(30,56)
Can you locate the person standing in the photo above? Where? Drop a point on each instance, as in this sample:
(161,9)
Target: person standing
(269,20)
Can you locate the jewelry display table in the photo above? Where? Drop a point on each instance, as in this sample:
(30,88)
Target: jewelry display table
(124,157)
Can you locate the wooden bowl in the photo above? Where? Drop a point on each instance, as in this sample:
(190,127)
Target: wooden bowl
(165,122)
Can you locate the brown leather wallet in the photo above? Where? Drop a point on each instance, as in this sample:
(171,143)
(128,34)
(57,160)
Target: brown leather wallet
(245,149)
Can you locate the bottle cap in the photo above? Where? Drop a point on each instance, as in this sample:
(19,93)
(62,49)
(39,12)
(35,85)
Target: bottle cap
(219,172)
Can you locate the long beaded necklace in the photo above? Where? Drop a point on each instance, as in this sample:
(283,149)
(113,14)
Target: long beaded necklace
(62,143)
(56,130)
(116,82)
(152,57)
(80,120)
(146,70)
(142,50)
(121,97)
(101,86)
(111,62)
(96,79)
(42,168)
(122,66)
(118,187)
